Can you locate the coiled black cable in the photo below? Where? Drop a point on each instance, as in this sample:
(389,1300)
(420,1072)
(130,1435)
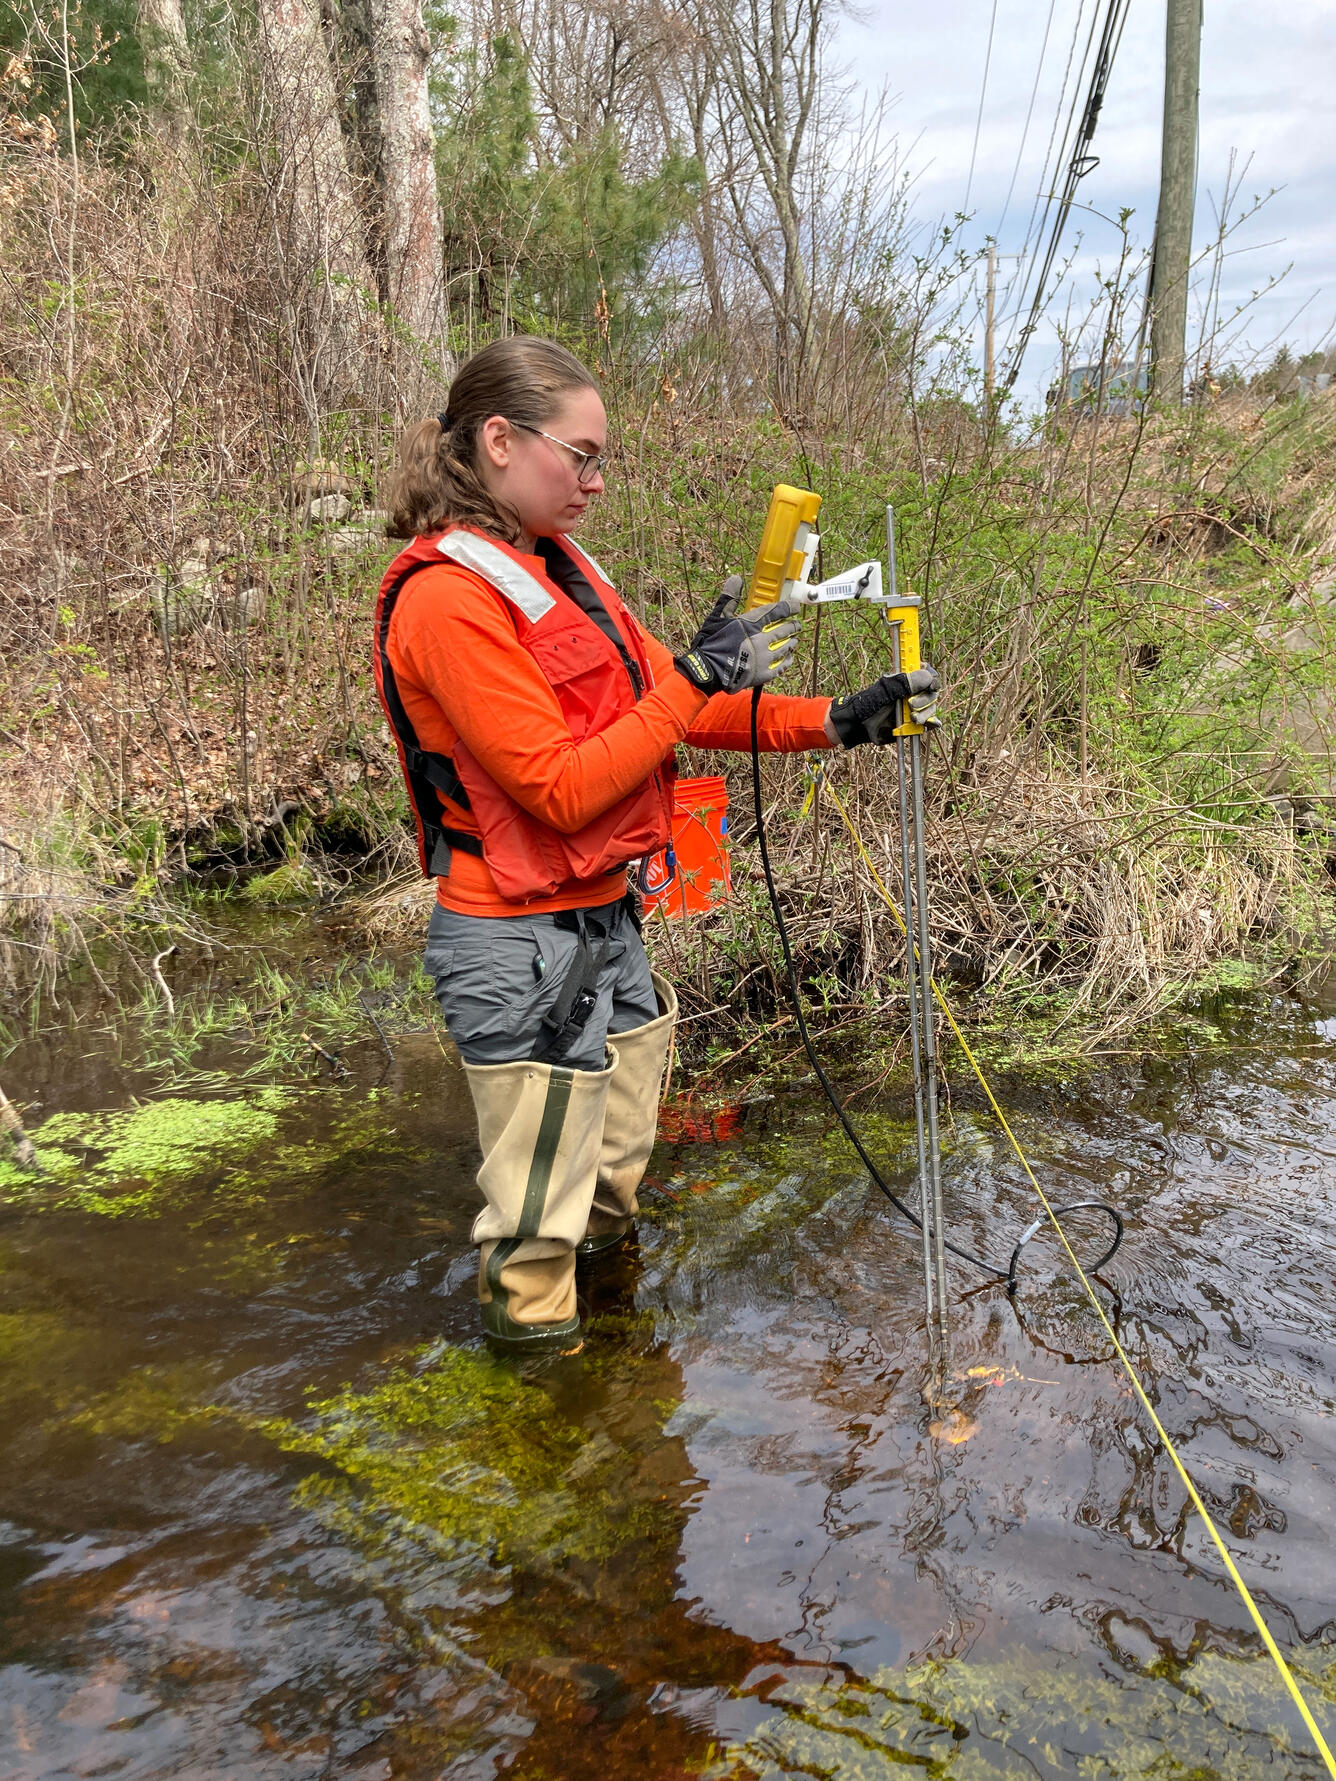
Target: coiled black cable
(1008,1274)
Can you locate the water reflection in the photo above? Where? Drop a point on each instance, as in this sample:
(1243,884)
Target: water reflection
(269,1509)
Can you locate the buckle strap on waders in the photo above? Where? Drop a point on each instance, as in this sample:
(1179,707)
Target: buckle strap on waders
(569,1014)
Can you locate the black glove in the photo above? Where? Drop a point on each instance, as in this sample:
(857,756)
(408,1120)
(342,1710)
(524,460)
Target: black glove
(871,716)
(735,650)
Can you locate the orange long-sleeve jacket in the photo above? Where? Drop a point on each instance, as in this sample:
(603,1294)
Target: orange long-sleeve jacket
(462,673)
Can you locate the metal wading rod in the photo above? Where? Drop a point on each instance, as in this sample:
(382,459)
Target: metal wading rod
(929,1038)
(919,973)
(932,1313)
(903,615)
(930,1316)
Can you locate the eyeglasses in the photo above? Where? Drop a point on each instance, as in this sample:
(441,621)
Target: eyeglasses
(590,463)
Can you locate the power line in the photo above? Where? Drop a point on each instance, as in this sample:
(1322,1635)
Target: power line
(983,93)
(1080,163)
(1059,144)
(1044,193)
(1025,132)
(1044,181)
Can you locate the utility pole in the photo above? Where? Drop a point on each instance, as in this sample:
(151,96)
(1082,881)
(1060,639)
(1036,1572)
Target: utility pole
(1178,195)
(989,307)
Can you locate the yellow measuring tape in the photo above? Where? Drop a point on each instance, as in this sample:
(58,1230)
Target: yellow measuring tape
(1287,1675)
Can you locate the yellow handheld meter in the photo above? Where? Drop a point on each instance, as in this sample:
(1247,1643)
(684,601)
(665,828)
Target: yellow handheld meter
(788,543)
(783,566)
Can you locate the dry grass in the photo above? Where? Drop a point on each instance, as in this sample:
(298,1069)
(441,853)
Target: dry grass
(1035,901)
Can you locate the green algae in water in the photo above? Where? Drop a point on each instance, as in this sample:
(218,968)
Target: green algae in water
(50,1366)
(160,1405)
(39,1353)
(119,1163)
(1217,1719)
(460,1457)
(147,1160)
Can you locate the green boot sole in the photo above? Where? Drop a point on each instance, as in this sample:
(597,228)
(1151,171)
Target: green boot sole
(501,1328)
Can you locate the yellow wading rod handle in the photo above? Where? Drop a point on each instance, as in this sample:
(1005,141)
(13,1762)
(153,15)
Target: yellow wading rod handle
(783,552)
(906,620)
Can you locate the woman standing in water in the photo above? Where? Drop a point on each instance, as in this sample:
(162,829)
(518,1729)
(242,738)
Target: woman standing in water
(536,722)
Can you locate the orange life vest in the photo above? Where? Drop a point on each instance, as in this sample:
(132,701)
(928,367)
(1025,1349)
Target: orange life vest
(589,650)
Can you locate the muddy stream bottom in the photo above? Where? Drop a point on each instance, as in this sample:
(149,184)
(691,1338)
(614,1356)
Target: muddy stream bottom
(269,1508)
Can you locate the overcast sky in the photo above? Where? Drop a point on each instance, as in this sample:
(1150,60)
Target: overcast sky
(1267,78)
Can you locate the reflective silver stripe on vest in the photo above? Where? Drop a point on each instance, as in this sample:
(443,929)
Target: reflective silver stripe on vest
(578,551)
(505,575)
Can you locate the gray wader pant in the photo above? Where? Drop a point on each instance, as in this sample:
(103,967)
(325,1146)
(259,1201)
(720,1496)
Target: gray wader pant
(564,1031)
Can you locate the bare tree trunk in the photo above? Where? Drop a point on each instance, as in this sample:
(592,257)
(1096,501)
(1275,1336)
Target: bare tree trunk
(317,216)
(767,73)
(688,90)
(707,227)
(166,53)
(414,254)
(162,31)
(348,24)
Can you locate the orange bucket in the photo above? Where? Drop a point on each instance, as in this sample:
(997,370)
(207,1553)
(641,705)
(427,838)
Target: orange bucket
(693,873)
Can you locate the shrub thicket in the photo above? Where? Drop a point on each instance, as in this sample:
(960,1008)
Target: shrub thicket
(1131,613)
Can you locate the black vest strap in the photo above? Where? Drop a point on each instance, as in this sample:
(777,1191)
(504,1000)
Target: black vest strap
(576,585)
(439,770)
(428,774)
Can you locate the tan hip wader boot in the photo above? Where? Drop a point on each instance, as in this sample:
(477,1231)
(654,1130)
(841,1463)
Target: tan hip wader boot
(540,1127)
(630,1122)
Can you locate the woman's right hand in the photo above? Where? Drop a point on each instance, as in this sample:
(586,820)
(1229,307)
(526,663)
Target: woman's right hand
(734,651)
(872,714)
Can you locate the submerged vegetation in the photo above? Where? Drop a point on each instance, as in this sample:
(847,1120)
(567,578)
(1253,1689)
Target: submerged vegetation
(459,1458)
(120,1163)
(212,1158)
(982,1722)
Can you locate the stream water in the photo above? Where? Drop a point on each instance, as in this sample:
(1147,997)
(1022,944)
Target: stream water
(268,1508)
